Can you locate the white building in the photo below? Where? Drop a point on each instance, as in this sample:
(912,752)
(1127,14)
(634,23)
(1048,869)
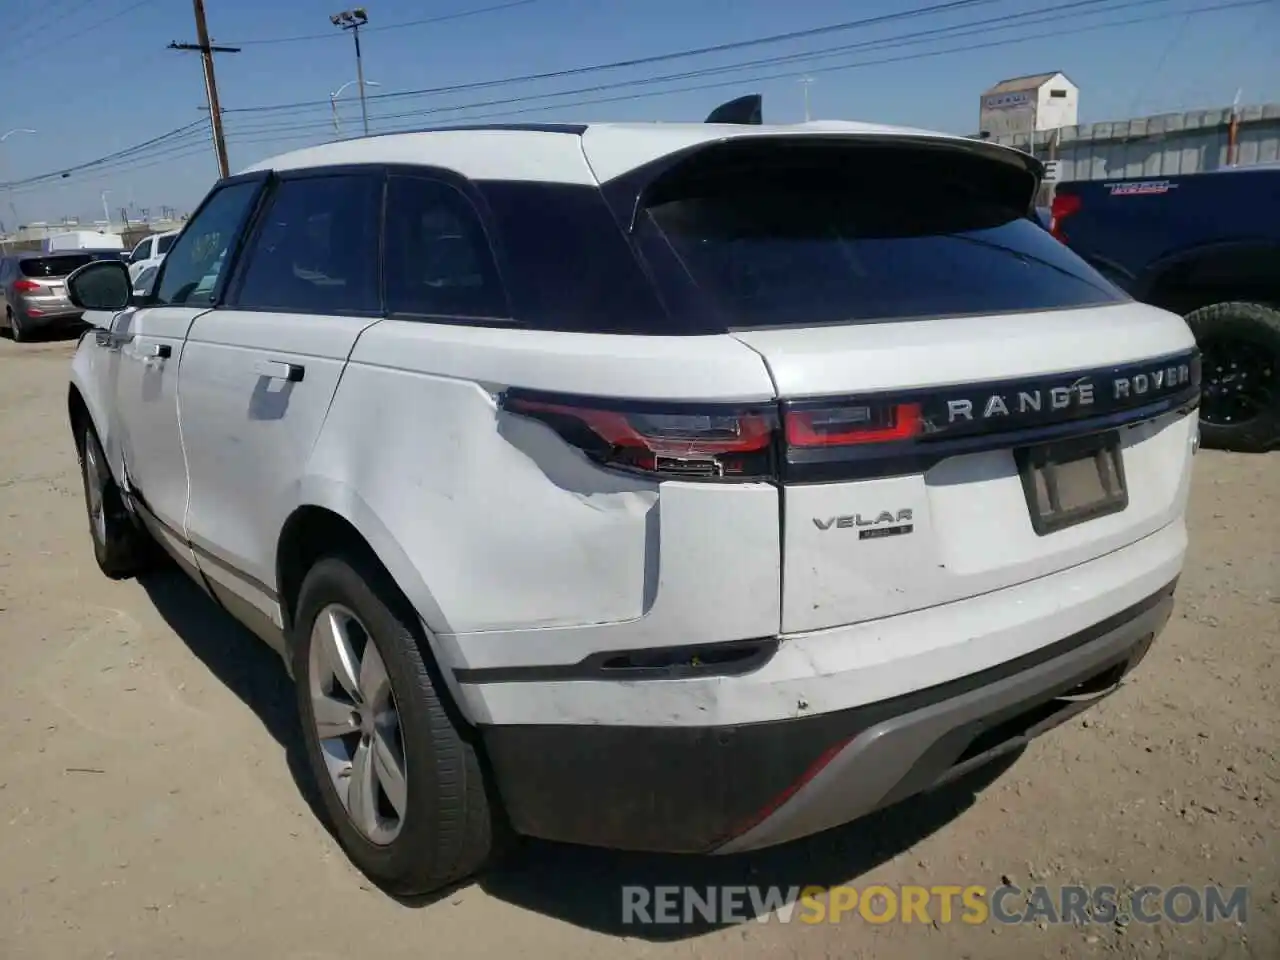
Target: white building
(1042,101)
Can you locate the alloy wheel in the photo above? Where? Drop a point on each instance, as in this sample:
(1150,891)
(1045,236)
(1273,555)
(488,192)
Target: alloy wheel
(95,490)
(357,722)
(1239,381)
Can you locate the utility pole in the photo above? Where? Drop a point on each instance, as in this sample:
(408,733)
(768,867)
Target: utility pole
(353,20)
(210,83)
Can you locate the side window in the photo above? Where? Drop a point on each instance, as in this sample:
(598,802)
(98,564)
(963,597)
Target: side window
(196,262)
(317,248)
(164,243)
(438,259)
(141,252)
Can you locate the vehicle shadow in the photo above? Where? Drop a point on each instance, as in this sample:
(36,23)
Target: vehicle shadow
(240,661)
(578,885)
(53,334)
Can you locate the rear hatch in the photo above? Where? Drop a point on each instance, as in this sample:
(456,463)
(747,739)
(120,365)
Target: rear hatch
(966,404)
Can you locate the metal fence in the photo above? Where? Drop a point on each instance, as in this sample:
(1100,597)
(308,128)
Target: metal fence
(1192,142)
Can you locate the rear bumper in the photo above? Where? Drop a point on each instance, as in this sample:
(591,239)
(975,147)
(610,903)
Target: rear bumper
(49,317)
(733,788)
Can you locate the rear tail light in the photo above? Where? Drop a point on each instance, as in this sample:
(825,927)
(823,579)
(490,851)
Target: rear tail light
(697,443)
(842,426)
(25,286)
(1064,205)
(711,442)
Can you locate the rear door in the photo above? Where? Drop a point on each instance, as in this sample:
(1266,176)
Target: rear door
(259,373)
(928,341)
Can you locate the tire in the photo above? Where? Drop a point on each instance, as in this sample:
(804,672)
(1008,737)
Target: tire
(1240,402)
(120,546)
(446,823)
(15,328)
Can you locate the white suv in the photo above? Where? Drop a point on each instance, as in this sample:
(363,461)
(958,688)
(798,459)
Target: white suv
(658,486)
(150,252)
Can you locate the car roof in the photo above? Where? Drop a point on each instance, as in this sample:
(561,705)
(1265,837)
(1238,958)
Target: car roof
(579,153)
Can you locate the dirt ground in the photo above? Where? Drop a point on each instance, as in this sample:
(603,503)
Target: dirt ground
(150,806)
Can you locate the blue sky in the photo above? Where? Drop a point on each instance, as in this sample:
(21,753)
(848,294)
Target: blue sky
(94,76)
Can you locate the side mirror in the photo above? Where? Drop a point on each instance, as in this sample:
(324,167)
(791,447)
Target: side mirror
(100,285)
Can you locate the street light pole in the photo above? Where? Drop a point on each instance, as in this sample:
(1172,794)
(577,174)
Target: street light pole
(806,82)
(353,20)
(333,102)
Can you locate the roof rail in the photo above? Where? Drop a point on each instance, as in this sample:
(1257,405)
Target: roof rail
(743,110)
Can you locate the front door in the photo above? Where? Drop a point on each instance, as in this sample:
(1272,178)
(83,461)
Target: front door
(150,341)
(259,373)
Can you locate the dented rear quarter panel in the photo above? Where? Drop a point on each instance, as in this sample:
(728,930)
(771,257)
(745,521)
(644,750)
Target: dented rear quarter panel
(515,548)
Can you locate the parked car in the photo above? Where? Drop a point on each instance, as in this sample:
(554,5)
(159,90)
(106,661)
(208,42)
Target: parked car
(669,487)
(150,251)
(33,289)
(1205,245)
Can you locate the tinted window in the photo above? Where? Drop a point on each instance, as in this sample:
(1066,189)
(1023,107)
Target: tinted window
(58,266)
(196,262)
(317,248)
(164,243)
(567,264)
(864,235)
(438,259)
(142,251)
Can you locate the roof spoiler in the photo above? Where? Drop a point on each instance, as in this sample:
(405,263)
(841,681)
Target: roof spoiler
(744,110)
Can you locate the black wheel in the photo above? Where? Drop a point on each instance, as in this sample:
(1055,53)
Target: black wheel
(121,547)
(1240,400)
(15,327)
(400,776)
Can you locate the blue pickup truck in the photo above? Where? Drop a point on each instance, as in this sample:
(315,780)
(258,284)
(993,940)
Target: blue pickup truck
(1207,246)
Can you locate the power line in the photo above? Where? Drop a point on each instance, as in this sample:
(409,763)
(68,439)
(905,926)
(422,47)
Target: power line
(62,38)
(921,36)
(28,29)
(442,18)
(177,132)
(169,146)
(1041,15)
(645,61)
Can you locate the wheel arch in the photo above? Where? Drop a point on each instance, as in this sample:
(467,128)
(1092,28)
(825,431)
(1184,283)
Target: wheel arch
(78,414)
(1194,277)
(332,517)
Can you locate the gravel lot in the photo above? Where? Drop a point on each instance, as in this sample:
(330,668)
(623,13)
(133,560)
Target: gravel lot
(150,803)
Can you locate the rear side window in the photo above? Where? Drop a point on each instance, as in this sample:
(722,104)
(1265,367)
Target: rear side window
(53,266)
(317,248)
(438,259)
(164,243)
(839,234)
(567,263)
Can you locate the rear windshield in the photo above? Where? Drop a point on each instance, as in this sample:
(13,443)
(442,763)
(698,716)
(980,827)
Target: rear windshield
(164,243)
(871,234)
(58,266)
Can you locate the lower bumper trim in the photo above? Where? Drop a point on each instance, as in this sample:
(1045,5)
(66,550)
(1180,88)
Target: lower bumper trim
(734,788)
